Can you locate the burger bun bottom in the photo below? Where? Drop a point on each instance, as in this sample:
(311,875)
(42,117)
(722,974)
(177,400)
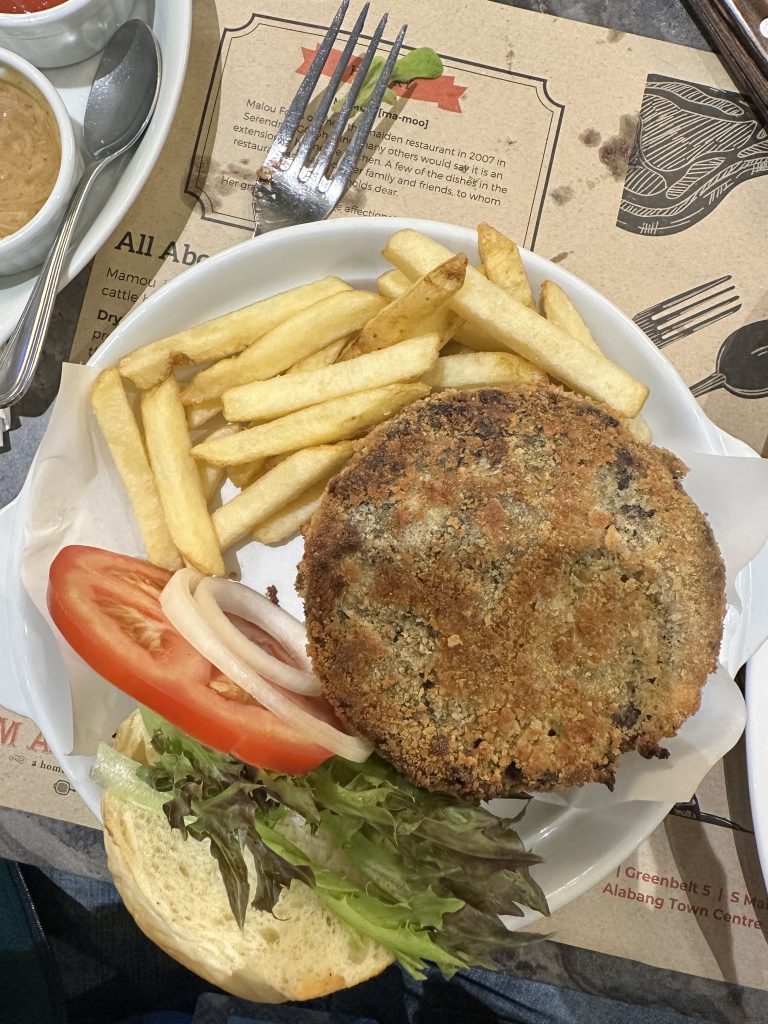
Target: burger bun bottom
(173,890)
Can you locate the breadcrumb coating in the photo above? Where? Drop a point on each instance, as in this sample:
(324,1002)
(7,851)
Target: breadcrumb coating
(505,591)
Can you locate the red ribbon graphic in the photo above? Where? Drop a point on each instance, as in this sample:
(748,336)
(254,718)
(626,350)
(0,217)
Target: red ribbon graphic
(443,90)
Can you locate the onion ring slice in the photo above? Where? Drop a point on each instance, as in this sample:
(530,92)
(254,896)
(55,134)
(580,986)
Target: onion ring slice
(307,716)
(214,597)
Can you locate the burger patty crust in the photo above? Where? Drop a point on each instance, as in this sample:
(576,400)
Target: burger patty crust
(505,591)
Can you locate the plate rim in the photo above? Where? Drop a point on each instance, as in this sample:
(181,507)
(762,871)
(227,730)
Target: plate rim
(717,439)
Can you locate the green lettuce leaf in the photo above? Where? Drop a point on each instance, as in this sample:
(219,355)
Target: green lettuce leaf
(120,774)
(424,874)
(422,62)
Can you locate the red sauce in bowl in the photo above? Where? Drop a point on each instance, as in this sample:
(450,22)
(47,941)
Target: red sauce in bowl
(27,6)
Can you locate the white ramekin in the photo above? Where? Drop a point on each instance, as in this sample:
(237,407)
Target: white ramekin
(64,34)
(29,246)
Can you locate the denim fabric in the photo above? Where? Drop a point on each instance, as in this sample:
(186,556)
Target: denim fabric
(160,1018)
(110,971)
(472,997)
(29,989)
(112,974)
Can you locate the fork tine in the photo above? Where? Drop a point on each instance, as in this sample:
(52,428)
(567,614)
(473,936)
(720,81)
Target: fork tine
(348,162)
(300,101)
(659,307)
(732,303)
(660,321)
(310,135)
(326,153)
(678,335)
(642,318)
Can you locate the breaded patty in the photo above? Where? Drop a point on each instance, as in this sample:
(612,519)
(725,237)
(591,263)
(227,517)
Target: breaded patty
(504,591)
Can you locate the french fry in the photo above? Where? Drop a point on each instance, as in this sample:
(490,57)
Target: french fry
(522,330)
(276,488)
(308,331)
(639,429)
(557,307)
(212,477)
(121,432)
(337,420)
(391,284)
(423,298)
(289,520)
(178,479)
(244,474)
(224,336)
(475,338)
(270,399)
(199,415)
(445,322)
(482,369)
(442,322)
(324,357)
(455,348)
(502,264)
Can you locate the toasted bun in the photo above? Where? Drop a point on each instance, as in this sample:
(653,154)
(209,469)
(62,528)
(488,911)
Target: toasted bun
(173,890)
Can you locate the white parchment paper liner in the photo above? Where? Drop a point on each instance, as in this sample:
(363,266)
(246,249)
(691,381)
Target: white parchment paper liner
(76,497)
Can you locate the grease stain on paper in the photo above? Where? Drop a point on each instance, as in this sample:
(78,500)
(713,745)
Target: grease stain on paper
(615,152)
(591,137)
(562,194)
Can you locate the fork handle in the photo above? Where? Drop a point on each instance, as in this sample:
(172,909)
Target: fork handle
(711,383)
(21,353)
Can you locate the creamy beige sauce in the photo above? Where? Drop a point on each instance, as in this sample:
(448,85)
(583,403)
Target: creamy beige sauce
(30,151)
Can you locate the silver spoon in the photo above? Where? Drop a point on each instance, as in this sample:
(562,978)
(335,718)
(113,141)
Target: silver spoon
(120,106)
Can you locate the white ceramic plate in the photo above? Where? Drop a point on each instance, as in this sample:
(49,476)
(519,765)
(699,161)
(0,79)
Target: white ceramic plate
(118,186)
(579,847)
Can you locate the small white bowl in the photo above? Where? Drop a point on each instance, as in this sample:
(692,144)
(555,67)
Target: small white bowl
(29,246)
(64,34)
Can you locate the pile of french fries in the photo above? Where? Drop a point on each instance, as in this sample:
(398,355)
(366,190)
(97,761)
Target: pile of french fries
(282,387)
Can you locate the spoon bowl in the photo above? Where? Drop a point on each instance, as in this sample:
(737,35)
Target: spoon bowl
(129,69)
(742,364)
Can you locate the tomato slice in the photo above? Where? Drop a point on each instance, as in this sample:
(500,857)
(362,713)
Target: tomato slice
(107,607)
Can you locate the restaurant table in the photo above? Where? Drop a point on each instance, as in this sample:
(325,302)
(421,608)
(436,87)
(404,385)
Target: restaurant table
(58,846)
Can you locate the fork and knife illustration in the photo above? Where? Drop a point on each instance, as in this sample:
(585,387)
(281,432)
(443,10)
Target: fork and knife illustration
(742,362)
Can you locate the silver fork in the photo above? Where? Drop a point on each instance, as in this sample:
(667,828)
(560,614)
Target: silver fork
(667,321)
(292,188)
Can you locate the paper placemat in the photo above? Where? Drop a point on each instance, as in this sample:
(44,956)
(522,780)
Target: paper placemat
(31,778)
(635,164)
(632,162)
(692,897)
